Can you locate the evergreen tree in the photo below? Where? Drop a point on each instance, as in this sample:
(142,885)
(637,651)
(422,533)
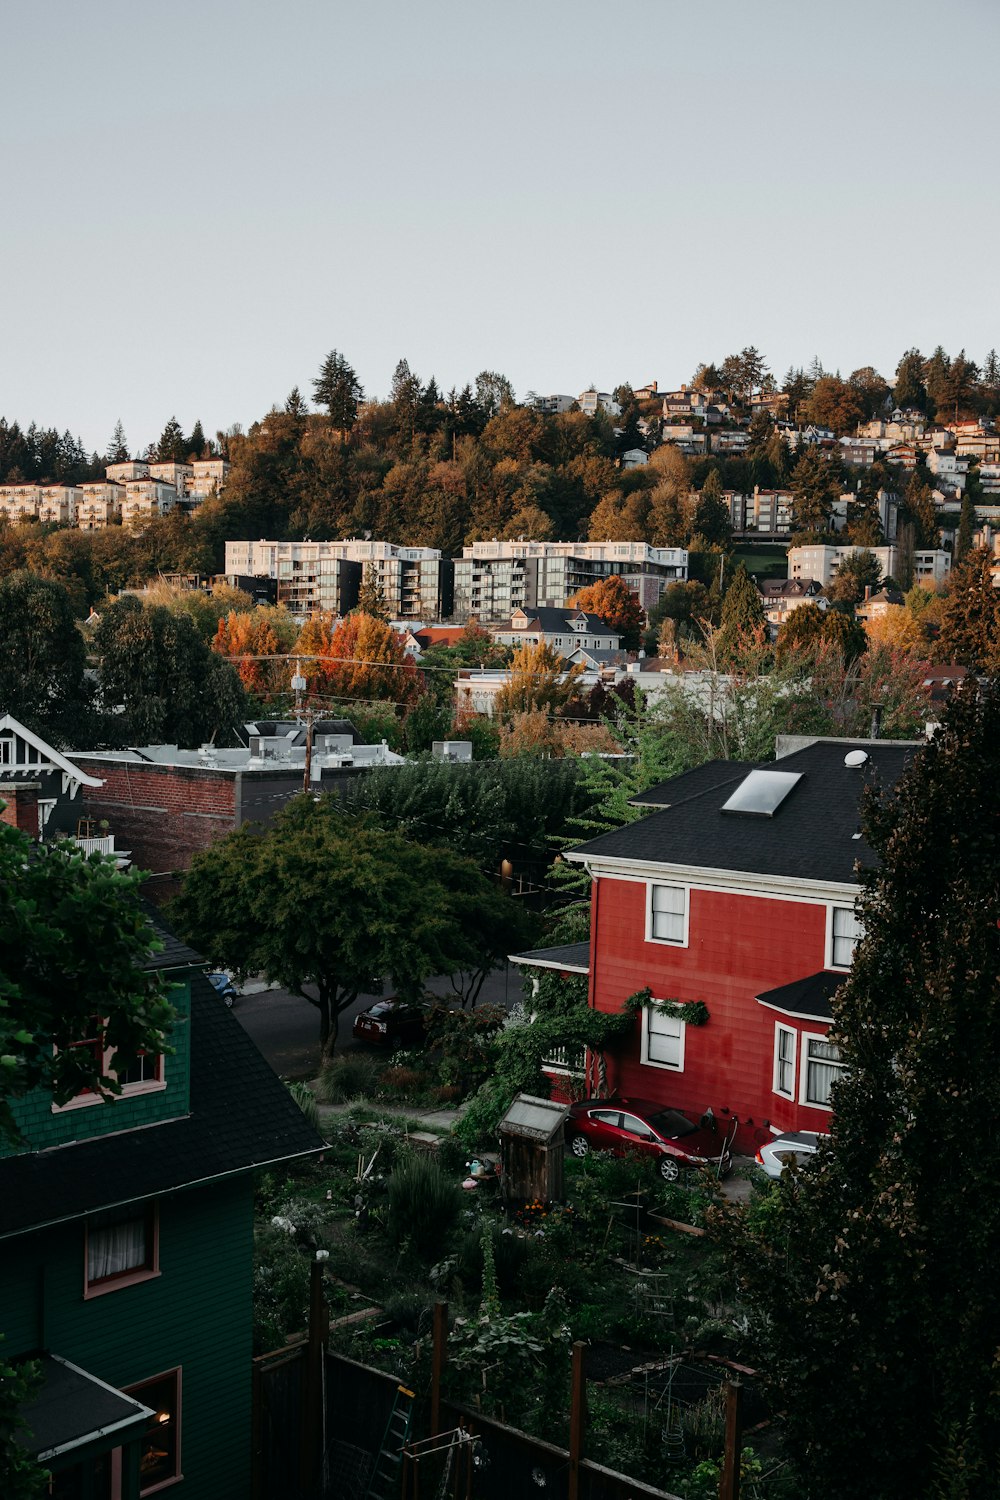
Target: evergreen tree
(872,1273)
(172,446)
(117,452)
(371,599)
(815,486)
(970,627)
(743,617)
(196,442)
(338,389)
(966,528)
(909,389)
(711,513)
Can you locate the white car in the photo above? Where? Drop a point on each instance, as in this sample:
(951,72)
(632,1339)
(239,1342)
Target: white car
(787,1150)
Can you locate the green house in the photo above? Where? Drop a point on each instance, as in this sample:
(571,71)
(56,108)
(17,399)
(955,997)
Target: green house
(126,1247)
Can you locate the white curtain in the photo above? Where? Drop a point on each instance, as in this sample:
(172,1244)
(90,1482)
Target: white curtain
(824,1068)
(114,1249)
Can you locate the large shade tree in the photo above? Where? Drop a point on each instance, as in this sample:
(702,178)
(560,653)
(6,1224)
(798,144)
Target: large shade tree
(327,904)
(873,1273)
(42,662)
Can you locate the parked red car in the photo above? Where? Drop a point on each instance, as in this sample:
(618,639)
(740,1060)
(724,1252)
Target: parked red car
(624,1125)
(392,1024)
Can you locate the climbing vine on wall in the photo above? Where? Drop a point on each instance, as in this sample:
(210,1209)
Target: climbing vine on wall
(691,1012)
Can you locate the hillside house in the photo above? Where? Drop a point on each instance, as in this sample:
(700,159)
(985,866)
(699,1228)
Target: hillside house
(739,893)
(126,1256)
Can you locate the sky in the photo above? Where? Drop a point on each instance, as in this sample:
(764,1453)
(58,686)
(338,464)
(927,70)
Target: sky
(206,196)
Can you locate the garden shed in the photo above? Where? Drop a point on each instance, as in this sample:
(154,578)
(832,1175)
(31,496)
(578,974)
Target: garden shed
(532,1142)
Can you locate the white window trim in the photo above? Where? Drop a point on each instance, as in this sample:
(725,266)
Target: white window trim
(831,908)
(644,1056)
(805,1037)
(779,1027)
(681,942)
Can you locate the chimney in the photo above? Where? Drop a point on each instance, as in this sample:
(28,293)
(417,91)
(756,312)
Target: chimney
(868,592)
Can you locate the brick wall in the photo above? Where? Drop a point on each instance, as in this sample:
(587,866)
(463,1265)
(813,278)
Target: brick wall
(163,814)
(21,809)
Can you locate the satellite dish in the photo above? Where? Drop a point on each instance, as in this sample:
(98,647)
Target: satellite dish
(855,758)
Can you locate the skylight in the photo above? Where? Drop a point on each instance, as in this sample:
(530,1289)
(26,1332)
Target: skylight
(761,793)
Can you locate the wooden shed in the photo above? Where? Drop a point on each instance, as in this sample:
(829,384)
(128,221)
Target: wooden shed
(532,1143)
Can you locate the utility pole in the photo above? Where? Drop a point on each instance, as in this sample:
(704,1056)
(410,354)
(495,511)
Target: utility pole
(307,773)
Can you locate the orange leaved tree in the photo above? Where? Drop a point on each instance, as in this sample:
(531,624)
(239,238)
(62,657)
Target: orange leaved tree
(613,602)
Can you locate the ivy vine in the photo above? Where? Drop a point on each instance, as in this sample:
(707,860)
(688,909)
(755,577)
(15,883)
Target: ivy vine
(692,1012)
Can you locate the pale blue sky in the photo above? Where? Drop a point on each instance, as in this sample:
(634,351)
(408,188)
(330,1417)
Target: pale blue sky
(204,196)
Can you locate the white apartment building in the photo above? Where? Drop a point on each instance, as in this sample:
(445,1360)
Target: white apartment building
(208,477)
(179,475)
(821,562)
(415,581)
(554,404)
(494,578)
(589,400)
(145,500)
(128,469)
(100,505)
(48,503)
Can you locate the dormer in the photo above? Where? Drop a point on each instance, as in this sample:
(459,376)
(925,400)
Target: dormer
(519,620)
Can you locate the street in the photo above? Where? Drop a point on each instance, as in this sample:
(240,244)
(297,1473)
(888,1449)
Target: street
(286,1028)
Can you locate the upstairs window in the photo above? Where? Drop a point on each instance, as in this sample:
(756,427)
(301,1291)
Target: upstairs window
(845,932)
(122,1247)
(668,914)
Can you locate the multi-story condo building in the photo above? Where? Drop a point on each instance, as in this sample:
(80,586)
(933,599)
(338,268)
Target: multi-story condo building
(145,499)
(130,468)
(59,504)
(100,505)
(208,475)
(20,502)
(179,475)
(493,579)
(415,581)
(821,562)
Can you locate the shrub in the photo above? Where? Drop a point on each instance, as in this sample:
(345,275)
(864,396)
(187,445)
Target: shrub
(306,1100)
(280,1288)
(423,1205)
(352,1075)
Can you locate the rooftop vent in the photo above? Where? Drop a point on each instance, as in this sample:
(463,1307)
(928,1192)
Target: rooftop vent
(855,758)
(761,793)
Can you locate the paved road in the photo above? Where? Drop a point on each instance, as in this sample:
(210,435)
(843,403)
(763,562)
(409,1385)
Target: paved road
(286,1027)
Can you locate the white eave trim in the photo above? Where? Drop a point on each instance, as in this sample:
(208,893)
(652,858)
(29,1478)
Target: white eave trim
(47,753)
(546,963)
(745,882)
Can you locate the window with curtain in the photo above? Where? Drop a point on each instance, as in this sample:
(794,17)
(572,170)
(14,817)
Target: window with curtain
(847,931)
(784,1061)
(121,1244)
(667,914)
(663,1039)
(823,1068)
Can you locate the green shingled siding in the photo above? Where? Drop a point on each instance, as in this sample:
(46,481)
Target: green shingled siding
(42,1127)
(196,1314)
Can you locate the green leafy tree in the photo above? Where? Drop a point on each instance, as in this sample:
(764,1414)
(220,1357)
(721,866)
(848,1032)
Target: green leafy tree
(42,664)
(338,389)
(918,509)
(326,905)
(859,570)
(871,1273)
(159,681)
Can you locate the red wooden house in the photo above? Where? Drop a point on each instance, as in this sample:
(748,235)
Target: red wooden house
(738,892)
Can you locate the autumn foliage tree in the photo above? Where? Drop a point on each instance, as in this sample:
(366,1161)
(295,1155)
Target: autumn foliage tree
(539,678)
(615,605)
(363,658)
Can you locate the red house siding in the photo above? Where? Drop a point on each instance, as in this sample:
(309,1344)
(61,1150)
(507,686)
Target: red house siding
(738,946)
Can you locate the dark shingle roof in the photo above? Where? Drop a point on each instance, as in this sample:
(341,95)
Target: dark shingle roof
(811,837)
(241,1117)
(692,783)
(808,998)
(569,956)
(550,620)
(174,954)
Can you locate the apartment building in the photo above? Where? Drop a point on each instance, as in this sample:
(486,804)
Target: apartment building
(145,500)
(52,503)
(100,505)
(416,582)
(493,579)
(821,562)
(765,513)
